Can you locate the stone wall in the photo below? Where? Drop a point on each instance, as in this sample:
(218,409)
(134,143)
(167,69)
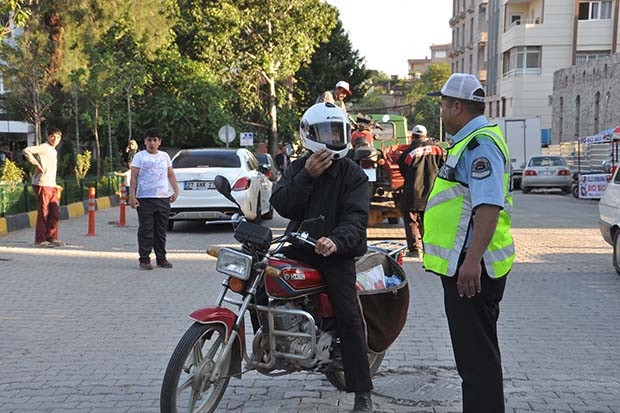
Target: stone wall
(597,86)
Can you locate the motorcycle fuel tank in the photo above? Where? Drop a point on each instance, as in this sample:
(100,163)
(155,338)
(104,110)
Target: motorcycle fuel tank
(296,279)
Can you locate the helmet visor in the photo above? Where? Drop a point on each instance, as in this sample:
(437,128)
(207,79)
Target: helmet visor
(334,135)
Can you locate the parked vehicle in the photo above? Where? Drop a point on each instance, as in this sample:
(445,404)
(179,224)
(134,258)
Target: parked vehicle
(524,141)
(196,170)
(267,166)
(609,217)
(547,171)
(388,135)
(292,318)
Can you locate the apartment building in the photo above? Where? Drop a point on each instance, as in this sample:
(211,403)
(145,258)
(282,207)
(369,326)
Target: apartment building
(469,25)
(439,54)
(528,40)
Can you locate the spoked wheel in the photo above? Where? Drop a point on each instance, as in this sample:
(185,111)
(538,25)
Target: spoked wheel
(186,387)
(336,377)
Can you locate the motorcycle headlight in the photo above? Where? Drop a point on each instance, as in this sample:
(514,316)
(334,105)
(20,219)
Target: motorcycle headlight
(234,263)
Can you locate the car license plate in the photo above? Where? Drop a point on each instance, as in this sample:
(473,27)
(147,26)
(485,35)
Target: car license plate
(546,172)
(198,185)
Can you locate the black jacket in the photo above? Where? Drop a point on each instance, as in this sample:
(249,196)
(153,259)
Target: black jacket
(421,165)
(340,194)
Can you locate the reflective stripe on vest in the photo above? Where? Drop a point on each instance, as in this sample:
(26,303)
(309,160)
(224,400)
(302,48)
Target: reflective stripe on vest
(449,208)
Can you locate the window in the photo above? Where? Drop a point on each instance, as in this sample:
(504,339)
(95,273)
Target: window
(595,10)
(590,56)
(522,60)
(440,54)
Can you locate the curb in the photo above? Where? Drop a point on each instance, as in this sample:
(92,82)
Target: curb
(29,219)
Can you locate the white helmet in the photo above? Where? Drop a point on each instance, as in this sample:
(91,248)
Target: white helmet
(324,125)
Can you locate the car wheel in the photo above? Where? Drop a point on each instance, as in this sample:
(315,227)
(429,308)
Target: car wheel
(170,224)
(269,215)
(525,189)
(616,255)
(258,211)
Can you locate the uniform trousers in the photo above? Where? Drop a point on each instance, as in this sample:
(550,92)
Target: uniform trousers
(48,213)
(339,276)
(153,216)
(473,330)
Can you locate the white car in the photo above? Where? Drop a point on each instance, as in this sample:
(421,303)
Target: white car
(195,170)
(546,171)
(609,217)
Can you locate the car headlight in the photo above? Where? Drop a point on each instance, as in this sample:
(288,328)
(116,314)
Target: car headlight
(234,263)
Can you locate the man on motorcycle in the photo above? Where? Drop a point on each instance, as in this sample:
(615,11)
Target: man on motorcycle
(326,183)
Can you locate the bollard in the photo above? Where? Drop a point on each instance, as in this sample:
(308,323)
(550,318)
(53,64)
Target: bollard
(91,212)
(121,218)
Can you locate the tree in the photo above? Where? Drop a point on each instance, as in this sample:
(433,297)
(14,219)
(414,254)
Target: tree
(254,42)
(13,13)
(334,60)
(425,108)
(26,68)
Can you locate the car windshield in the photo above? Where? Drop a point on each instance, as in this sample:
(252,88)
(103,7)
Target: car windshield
(547,161)
(207,159)
(262,158)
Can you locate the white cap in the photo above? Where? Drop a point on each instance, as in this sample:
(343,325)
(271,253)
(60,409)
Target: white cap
(345,86)
(462,86)
(418,130)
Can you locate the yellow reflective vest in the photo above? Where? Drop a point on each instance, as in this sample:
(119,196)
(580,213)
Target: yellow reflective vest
(449,213)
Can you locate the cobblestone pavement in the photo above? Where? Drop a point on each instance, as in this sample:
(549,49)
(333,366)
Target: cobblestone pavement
(83,330)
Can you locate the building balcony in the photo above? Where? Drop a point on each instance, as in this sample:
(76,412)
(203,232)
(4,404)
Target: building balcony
(524,23)
(523,34)
(482,75)
(483,38)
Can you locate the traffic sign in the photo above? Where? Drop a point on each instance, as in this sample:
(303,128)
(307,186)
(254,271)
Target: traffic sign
(227,134)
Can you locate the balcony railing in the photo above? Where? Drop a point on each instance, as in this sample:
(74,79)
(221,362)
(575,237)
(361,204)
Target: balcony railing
(535,71)
(523,22)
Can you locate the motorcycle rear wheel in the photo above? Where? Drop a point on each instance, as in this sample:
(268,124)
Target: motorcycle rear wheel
(336,377)
(186,387)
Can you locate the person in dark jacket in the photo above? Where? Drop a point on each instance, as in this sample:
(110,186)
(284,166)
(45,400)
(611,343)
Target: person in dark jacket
(326,183)
(418,165)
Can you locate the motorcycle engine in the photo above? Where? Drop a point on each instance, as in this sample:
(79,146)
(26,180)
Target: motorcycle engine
(298,346)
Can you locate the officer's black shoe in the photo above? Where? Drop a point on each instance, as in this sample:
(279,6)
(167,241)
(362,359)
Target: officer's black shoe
(363,403)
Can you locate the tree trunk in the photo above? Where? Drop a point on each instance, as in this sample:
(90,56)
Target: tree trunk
(273,115)
(76,110)
(110,152)
(97,144)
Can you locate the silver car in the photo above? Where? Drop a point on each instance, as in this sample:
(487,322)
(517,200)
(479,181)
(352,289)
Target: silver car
(546,171)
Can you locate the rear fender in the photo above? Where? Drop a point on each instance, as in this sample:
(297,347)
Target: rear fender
(225,317)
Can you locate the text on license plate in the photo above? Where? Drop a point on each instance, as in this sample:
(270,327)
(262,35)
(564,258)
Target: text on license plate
(198,185)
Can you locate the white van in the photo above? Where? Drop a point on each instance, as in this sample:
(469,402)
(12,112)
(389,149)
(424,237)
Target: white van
(609,217)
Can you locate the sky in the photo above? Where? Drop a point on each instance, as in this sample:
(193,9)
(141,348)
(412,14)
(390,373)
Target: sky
(388,32)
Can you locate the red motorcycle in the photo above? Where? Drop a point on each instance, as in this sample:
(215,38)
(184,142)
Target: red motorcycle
(293,325)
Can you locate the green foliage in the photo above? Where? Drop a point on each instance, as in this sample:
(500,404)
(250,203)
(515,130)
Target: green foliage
(12,175)
(426,109)
(334,60)
(82,165)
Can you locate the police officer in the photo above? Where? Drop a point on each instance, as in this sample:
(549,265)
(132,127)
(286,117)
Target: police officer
(325,182)
(467,239)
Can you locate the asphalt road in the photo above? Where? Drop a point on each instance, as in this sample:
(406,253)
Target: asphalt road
(82,329)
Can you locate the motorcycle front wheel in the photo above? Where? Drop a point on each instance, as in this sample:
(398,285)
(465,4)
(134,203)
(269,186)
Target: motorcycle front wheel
(336,377)
(186,387)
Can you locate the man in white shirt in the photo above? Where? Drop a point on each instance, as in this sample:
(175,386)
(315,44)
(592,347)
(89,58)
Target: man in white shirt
(45,159)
